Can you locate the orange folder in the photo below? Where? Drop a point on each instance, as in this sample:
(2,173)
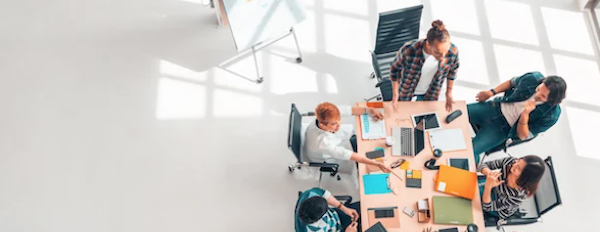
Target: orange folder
(457,182)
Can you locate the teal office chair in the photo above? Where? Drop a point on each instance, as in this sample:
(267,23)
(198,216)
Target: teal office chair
(546,198)
(394,29)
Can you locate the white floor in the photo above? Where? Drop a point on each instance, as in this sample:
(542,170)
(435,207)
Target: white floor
(124,115)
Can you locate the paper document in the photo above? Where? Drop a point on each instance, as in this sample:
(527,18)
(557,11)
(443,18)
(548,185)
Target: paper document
(447,140)
(372,129)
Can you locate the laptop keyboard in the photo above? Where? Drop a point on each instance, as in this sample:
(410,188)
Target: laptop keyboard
(406,141)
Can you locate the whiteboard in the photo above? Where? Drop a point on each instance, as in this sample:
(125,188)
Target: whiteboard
(256,21)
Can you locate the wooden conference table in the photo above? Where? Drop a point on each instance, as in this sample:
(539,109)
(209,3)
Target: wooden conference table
(410,196)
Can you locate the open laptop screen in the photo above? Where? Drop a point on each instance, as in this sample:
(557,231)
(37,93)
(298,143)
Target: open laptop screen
(419,137)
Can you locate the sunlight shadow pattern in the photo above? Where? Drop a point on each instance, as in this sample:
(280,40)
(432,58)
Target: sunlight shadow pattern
(288,77)
(330,84)
(458,15)
(358,7)
(584,124)
(180,100)
(231,104)
(567,30)
(473,65)
(516,26)
(305,31)
(226,79)
(174,70)
(514,62)
(388,5)
(582,76)
(347,37)
(461,93)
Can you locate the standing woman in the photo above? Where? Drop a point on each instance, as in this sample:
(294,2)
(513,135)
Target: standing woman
(421,67)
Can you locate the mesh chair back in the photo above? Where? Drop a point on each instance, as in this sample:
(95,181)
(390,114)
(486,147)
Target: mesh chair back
(394,29)
(294,141)
(547,195)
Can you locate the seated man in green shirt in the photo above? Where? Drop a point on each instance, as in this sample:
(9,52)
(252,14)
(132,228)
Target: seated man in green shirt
(313,213)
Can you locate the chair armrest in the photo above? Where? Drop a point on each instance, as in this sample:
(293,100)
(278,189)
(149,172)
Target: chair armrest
(309,114)
(323,165)
(375,64)
(345,199)
(518,221)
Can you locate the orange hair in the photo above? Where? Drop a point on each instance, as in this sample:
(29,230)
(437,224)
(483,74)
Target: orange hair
(326,112)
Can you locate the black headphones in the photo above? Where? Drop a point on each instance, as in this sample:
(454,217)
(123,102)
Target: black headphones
(430,164)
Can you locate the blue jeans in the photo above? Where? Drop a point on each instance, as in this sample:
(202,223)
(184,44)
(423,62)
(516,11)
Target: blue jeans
(493,127)
(420,97)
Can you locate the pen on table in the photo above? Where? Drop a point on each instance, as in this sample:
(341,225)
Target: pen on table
(397,175)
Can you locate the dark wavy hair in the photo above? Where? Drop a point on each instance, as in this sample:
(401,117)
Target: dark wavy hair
(557,87)
(312,209)
(532,174)
(437,32)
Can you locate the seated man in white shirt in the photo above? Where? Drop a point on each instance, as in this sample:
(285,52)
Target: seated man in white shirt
(325,142)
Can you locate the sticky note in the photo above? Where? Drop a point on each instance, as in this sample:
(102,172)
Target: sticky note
(409,174)
(417,174)
(441,186)
(404,166)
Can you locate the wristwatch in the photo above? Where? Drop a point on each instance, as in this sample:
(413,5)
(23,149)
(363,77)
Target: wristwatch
(493,91)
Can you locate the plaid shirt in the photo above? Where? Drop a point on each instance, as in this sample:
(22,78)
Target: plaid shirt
(406,69)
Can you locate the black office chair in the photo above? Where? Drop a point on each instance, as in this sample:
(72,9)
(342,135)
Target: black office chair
(394,29)
(296,143)
(546,198)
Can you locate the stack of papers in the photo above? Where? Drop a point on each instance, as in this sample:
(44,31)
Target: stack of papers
(447,140)
(372,129)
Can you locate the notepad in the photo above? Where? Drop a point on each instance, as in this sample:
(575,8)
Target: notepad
(447,140)
(376,183)
(372,129)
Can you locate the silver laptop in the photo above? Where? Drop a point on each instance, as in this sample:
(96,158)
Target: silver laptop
(409,141)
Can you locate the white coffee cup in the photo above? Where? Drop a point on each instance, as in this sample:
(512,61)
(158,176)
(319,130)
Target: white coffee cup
(389,141)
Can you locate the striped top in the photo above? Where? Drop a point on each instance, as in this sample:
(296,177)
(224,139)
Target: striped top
(508,199)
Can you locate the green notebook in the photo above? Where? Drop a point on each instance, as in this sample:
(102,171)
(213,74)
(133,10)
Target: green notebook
(452,210)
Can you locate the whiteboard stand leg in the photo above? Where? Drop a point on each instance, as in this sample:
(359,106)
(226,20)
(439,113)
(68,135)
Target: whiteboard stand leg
(299,59)
(259,78)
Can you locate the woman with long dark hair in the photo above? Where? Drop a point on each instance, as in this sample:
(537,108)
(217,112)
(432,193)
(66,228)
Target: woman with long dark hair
(517,179)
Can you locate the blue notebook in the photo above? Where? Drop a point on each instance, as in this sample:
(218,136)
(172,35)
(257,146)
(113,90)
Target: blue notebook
(376,183)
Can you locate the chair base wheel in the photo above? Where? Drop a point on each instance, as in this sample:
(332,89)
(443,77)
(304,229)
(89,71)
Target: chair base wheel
(299,60)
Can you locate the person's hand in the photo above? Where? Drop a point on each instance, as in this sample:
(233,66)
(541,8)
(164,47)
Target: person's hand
(529,106)
(375,114)
(353,227)
(484,95)
(384,168)
(350,212)
(449,102)
(395,103)
(493,180)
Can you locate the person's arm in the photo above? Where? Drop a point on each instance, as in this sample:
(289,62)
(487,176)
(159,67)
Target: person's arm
(396,75)
(523,127)
(365,160)
(486,94)
(363,110)
(335,203)
(341,153)
(523,121)
(487,167)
